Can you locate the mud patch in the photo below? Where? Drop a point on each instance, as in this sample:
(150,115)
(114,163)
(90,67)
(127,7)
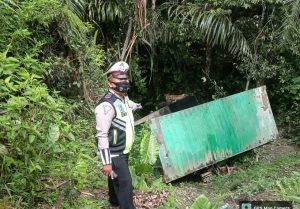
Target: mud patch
(275,149)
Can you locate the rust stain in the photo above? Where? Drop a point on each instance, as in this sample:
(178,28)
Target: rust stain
(265,99)
(159,136)
(209,157)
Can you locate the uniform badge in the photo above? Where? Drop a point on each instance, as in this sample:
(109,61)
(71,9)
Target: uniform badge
(123,112)
(106,108)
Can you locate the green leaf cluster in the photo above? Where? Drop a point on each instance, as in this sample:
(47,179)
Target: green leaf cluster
(144,160)
(203,203)
(38,147)
(46,146)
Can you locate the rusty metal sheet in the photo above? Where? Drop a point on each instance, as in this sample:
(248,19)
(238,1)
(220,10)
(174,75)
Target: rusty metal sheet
(196,137)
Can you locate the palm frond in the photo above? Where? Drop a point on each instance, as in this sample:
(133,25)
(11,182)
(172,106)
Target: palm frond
(77,6)
(106,10)
(215,25)
(73,30)
(9,4)
(291,31)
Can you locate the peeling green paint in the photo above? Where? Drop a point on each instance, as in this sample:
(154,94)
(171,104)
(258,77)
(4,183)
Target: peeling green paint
(199,136)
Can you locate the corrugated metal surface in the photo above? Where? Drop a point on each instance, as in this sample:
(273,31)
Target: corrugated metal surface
(194,138)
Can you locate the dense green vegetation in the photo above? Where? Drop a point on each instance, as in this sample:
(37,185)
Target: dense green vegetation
(260,177)
(52,57)
(275,180)
(44,141)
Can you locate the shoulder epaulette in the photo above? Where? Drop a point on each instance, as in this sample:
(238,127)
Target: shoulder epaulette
(108,97)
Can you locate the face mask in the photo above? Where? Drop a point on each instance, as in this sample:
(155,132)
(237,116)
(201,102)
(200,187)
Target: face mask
(122,86)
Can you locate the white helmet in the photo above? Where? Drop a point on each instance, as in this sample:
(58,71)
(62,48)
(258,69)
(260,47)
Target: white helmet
(119,66)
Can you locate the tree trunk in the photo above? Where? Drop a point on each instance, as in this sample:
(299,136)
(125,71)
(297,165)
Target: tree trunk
(247,84)
(153,4)
(85,87)
(208,60)
(260,82)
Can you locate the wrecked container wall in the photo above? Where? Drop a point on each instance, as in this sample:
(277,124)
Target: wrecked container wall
(194,138)
(183,103)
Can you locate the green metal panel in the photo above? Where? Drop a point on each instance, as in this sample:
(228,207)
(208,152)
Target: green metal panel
(194,138)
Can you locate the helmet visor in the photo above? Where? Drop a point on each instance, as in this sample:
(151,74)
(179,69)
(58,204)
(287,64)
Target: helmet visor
(119,75)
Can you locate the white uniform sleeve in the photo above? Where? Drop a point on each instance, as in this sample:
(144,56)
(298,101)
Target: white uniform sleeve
(134,106)
(104,116)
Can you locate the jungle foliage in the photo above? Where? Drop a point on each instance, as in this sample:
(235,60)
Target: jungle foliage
(47,53)
(52,58)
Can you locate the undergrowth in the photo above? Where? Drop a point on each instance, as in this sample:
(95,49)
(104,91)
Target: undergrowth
(279,178)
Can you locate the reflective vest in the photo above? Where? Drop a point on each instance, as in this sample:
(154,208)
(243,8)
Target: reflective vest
(121,131)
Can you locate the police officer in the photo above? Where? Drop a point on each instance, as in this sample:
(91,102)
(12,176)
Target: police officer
(115,135)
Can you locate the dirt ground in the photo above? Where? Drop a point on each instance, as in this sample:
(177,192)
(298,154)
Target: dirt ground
(141,200)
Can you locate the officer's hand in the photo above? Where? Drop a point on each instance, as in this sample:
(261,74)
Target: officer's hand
(137,106)
(107,169)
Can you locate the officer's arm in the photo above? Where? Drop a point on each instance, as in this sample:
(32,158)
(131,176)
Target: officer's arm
(104,116)
(134,106)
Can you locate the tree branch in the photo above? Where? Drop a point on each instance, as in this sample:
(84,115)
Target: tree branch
(125,47)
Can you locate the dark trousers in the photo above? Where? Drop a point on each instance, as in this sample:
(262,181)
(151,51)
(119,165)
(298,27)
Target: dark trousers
(120,189)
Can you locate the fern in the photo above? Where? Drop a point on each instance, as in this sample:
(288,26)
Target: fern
(153,150)
(145,136)
(149,147)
